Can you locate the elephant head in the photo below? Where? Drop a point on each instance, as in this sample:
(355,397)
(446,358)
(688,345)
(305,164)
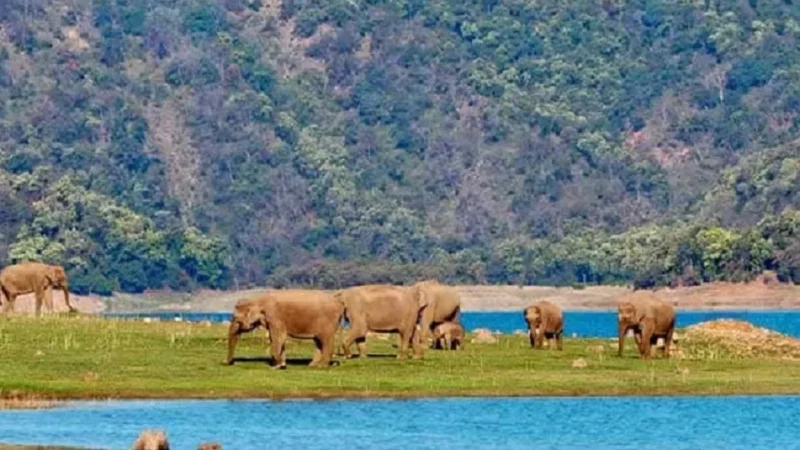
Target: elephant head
(534,316)
(57,277)
(247,316)
(628,314)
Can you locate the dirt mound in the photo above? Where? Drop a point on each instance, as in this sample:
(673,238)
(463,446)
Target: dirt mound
(726,338)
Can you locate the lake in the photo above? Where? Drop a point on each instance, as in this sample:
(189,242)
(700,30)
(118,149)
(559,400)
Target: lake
(579,323)
(477,423)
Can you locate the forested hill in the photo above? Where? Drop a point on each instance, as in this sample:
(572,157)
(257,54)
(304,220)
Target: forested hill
(226,143)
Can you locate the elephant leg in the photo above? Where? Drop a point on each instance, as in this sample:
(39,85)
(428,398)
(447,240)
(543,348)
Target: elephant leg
(532,337)
(560,340)
(668,342)
(233,339)
(39,292)
(48,300)
(361,344)
(644,345)
(358,334)
(327,346)
(405,340)
(540,337)
(9,306)
(317,352)
(416,342)
(426,321)
(623,330)
(278,338)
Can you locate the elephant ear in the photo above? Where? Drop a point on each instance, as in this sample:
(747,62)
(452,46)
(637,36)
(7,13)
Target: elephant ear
(420,296)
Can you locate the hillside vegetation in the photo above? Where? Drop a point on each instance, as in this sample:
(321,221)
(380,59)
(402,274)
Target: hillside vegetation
(229,143)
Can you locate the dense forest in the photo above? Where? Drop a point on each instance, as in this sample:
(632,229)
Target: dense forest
(179,144)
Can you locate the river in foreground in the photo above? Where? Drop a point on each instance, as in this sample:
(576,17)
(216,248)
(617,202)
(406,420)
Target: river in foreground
(507,423)
(585,324)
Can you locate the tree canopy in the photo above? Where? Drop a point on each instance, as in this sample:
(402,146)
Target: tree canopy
(218,143)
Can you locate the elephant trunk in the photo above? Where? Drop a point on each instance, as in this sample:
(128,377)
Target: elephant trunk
(65,288)
(233,339)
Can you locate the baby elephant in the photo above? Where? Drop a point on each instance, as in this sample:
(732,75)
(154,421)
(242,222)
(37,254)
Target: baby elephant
(448,336)
(545,321)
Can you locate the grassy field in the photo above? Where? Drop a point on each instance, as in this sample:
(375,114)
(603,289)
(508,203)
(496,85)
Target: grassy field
(83,357)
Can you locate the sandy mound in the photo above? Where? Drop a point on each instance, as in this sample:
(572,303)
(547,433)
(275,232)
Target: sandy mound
(726,338)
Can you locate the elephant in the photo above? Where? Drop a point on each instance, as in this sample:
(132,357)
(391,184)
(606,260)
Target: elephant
(151,440)
(33,277)
(301,314)
(650,319)
(444,305)
(448,336)
(545,321)
(383,308)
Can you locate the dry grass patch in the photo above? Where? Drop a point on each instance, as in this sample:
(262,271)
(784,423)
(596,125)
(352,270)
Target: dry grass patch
(727,338)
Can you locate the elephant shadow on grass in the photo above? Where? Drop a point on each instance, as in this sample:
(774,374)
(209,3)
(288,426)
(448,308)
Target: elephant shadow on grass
(268,360)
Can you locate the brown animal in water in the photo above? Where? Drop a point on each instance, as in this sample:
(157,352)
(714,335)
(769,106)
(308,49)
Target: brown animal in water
(649,318)
(383,308)
(209,446)
(301,314)
(545,321)
(151,440)
(33,277)
(448,336)
(444,305)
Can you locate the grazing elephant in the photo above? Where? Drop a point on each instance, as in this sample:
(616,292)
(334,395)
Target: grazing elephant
(650,319)
(444,305)
(299,314)
(545,321)
(382,308)
(151,440)
(448,336)
(33,277)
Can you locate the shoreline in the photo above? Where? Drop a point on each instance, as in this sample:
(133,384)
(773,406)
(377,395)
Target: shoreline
(64,402)
(718,296)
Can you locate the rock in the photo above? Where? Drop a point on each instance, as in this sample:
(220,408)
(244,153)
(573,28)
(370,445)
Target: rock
(206,323)
(209,446)
(178,319)
(151,440)
(574,335)
(520,333)
(39,353)
(147,319)
(483,336)
(579,363)
(226,322)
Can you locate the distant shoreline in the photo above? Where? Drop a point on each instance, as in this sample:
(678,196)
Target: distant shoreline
(721,296)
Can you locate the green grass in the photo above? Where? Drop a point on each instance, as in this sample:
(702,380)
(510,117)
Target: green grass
(83,357)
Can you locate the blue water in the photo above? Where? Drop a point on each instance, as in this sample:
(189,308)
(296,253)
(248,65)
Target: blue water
(480,423)
(579,323)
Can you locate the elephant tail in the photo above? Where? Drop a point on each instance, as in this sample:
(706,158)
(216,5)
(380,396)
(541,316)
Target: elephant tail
(339,297)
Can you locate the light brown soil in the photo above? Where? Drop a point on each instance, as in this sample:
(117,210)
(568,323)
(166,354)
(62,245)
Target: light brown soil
(712,296)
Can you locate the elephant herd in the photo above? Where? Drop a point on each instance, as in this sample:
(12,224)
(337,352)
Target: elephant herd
(415,313)
(648,317)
